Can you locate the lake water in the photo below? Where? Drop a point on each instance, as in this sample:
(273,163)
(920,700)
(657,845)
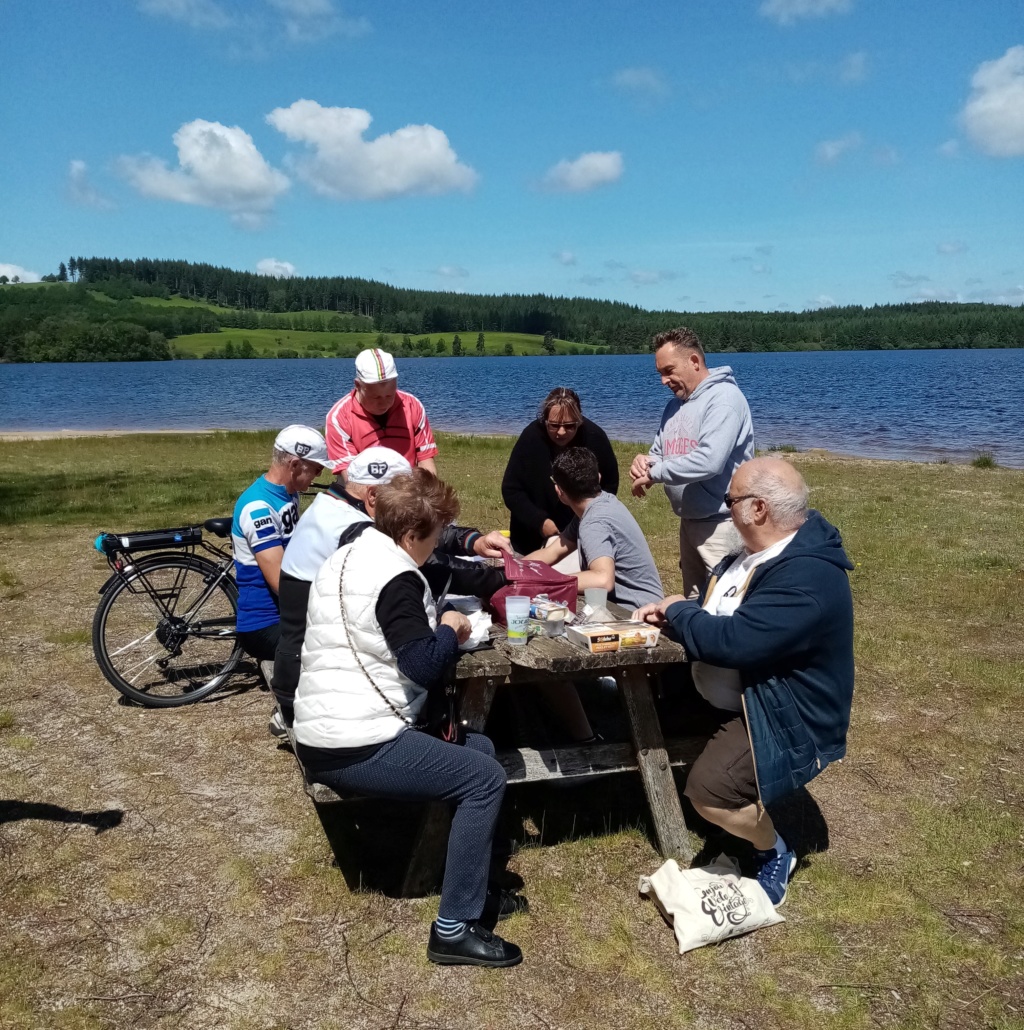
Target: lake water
(888,404)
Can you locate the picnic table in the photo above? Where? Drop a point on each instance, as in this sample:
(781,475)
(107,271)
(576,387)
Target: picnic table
(480,673)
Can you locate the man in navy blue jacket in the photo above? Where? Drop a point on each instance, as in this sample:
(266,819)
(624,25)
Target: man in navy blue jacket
(771,641)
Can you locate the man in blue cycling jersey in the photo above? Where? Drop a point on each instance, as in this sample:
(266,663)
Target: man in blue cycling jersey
(265,517)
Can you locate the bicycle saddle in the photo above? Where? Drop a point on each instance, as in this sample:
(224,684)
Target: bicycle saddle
(218,527)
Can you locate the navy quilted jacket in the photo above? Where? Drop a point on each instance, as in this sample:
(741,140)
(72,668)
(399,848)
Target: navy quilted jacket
(792,641)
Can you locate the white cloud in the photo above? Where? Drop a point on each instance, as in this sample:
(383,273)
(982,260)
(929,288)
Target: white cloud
(993,116)
(22,273)
(761,269)
(82,190)
(786,12)
(951,247)
(906,281)
(649,277)
(277,269)
(829,151)
(415,160)
(565,257)
(253,26)
(196,14)
(647,83)
(823,300)
(951,148)
(853,68)
(451,272)
(219,166)
(1009,295)
(586,172)
(306,21)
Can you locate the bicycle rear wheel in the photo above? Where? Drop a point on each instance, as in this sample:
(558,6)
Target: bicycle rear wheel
(164,633)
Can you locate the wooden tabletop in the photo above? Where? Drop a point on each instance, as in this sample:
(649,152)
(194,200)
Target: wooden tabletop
(560,655)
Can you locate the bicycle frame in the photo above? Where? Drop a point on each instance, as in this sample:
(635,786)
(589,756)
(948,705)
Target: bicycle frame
(131,571)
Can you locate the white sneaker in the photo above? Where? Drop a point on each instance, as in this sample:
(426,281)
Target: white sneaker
(277,726)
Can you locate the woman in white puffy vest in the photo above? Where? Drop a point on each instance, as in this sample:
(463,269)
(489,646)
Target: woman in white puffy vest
(374,647)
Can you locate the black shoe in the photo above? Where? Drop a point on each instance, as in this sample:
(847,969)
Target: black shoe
(475,946)
(501,904)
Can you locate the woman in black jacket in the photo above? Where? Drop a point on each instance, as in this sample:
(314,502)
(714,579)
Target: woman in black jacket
(526,488)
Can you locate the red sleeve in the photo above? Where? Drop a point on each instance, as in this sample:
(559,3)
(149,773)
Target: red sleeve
(423,438)
(340,446)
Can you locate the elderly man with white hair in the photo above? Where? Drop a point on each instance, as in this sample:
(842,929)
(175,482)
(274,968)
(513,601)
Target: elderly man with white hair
(771,641)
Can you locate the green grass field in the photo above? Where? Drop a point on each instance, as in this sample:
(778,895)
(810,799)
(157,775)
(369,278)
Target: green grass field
(215,902)
(269,343)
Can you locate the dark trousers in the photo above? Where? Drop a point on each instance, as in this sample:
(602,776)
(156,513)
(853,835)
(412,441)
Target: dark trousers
(260,644)
(415,765)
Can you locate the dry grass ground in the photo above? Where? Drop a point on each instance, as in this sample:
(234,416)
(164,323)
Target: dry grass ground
(164,869)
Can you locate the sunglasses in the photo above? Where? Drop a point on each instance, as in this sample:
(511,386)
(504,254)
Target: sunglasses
(730,500)
(563,425)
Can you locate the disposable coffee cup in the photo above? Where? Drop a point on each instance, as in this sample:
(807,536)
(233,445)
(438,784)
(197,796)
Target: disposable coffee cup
(517,617)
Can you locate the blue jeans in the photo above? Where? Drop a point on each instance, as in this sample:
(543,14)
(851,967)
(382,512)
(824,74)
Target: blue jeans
(415,765)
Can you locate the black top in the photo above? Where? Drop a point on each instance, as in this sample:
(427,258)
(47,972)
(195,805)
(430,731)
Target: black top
(527,489)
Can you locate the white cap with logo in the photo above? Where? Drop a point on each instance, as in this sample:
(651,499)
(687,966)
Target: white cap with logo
(375,366)
(306,443)
(376,466)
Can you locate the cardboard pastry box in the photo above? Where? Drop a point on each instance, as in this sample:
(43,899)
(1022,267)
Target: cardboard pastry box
(604,637)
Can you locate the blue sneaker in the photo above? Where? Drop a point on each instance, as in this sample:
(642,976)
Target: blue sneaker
(774,870)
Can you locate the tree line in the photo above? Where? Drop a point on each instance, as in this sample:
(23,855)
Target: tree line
(95,314)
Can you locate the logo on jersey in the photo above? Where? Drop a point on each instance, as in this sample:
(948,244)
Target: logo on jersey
(263,523)
(377,469)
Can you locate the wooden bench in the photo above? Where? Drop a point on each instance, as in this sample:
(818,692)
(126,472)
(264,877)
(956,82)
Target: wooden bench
(480,673)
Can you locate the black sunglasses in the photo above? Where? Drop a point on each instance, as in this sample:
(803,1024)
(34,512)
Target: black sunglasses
(730,500)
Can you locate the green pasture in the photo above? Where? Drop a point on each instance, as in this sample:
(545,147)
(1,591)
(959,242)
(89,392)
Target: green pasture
(215,901)
(269,343)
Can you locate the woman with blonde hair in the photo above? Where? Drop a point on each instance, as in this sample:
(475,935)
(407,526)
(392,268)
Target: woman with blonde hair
(374,648)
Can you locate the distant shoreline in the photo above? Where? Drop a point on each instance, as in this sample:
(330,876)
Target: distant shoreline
(816,453)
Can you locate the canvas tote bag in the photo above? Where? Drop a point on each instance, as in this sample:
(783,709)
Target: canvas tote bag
(709,904)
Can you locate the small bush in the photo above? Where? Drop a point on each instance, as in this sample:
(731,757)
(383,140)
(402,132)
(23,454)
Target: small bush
(985,460)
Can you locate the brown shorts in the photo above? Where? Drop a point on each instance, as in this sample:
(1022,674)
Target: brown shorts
(723,775)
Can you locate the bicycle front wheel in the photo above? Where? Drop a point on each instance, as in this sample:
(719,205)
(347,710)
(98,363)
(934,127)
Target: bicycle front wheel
(164,633)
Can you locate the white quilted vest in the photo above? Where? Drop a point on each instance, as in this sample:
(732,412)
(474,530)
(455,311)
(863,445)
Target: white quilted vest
(336,706)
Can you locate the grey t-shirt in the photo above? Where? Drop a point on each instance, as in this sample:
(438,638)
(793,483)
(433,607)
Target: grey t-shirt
(608,530)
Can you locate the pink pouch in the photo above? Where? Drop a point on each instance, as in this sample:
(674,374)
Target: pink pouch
(530,578)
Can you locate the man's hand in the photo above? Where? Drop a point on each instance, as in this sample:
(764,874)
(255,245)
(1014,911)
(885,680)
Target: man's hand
(639,468)
(458,622)
(641,485)
(491,545)
(549,529)
(655,613)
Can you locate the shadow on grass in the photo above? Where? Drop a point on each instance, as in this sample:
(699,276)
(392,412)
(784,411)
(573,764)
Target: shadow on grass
(14,811)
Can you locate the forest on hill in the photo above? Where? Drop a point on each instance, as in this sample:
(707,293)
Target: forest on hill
(113,309)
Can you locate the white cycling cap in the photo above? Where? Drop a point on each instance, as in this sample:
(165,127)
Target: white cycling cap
(375,366)
(306,443)
(376,466)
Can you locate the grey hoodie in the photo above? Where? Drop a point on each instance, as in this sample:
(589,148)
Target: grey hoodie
(700,444)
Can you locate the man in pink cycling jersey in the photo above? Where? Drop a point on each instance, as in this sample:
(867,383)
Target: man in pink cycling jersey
(377,414)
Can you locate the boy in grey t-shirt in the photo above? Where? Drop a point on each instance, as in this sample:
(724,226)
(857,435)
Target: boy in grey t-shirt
(613,550)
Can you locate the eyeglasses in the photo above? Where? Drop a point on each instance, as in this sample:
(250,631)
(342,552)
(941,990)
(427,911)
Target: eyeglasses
(730,500)
(555,426)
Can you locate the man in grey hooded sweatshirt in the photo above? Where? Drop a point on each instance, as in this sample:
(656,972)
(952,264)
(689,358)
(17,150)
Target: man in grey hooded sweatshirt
(705,435)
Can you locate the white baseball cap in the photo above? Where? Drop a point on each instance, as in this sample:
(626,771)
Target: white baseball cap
(306,443)
(375,366)
(376,466)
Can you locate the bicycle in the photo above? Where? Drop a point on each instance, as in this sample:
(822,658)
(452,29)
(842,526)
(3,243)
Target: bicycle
(164,630)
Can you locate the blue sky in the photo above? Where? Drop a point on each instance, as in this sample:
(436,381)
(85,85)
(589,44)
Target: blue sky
(692,155)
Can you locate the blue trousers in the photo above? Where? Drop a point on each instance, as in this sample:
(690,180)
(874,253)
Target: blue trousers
(415,765)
